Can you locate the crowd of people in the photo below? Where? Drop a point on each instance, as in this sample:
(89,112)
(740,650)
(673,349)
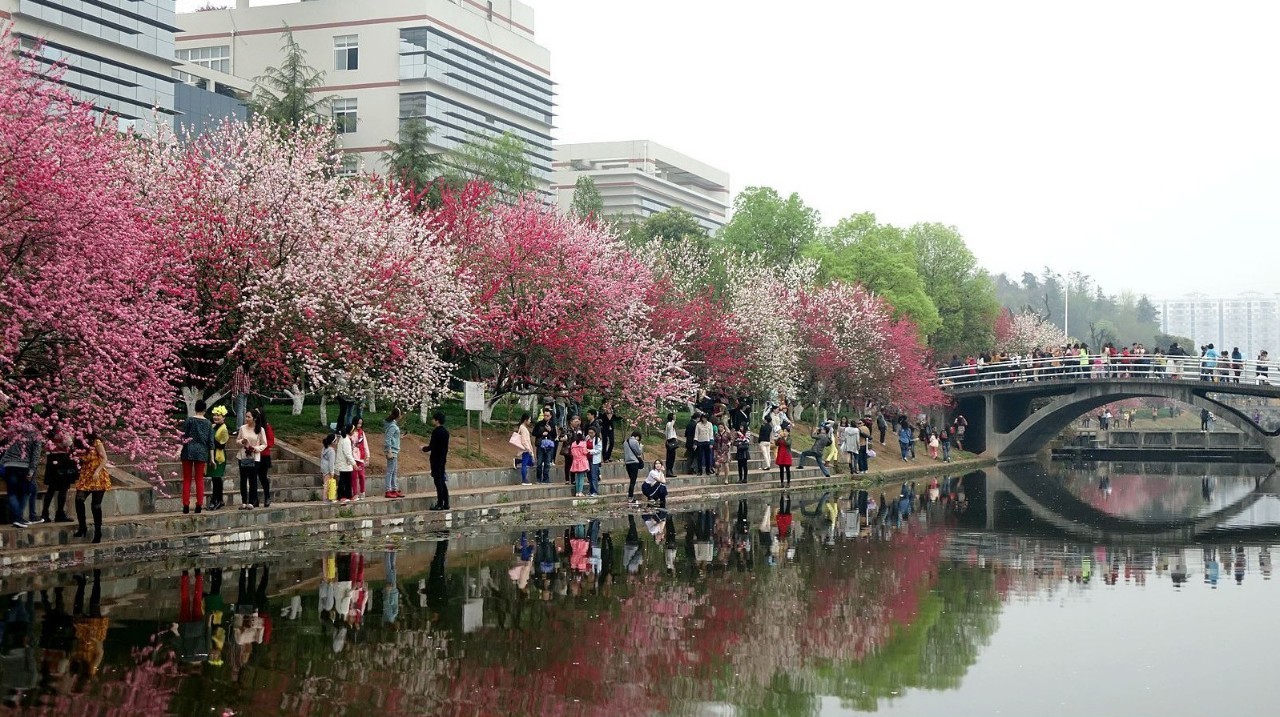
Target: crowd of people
(1133,361)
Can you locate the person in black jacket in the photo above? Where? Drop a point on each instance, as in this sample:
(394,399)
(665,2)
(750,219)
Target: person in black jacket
(438,449)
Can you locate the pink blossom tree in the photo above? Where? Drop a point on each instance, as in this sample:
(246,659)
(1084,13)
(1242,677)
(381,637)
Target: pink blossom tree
(91,316)
(556,307)
(1026,332)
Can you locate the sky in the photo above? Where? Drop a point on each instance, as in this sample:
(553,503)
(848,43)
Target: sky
(1136,142)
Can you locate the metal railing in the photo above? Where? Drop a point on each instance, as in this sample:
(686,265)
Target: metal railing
(1096,367)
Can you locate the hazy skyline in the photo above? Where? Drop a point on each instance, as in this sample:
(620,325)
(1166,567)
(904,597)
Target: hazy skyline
(1135,142)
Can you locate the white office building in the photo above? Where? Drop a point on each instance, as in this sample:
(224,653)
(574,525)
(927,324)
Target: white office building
(1250,321)
(639,178)
(471,69)
(118,53)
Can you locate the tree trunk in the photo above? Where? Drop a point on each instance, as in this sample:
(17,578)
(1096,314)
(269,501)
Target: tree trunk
(297,395)
(191,394)
(373,402)
(797,410)
(423,410)
(528,402)
(324,409)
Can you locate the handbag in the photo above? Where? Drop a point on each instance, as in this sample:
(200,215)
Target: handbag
(673,443)
(246,463)
(515,440)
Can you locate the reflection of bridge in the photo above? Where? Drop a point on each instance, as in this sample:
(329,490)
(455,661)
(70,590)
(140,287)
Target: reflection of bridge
(1050,502)
(998,402)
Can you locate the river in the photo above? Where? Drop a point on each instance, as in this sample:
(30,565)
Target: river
(1051,590)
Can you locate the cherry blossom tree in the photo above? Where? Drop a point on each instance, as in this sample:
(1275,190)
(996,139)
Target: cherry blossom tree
(307,278)
(1026,332)
(557,307)
(90,305)
(763,305)
(854,350)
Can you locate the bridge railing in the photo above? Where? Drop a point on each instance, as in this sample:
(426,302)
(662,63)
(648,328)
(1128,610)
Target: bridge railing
(1104,367)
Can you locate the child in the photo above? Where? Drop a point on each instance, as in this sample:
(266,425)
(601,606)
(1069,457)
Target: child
(933,445)
(742,448)
(330,478)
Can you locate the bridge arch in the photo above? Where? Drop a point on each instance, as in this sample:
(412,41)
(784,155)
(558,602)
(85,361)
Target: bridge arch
(1011,430)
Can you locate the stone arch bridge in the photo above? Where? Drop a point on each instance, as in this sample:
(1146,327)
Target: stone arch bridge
(1003,424)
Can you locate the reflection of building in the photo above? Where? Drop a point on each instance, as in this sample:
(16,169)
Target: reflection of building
(118,53)
(1250,321)
(640,178)
(471,69)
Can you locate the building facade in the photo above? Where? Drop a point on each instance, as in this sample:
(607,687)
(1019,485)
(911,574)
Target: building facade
(118,54)
(639,178)
(472,70)
(1250,321)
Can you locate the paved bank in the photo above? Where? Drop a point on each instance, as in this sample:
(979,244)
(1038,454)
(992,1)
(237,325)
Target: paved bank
(475,499)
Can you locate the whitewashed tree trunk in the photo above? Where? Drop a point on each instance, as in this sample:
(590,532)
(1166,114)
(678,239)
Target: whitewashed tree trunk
(373,402)
(796,412)
(297,395)
(191,394)
(486,413)
(324,409)
(528,402)
(424,410)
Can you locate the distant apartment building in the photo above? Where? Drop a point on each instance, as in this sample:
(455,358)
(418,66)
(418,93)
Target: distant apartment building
(1250,321)
(472,70)
(639,178)
(118,54)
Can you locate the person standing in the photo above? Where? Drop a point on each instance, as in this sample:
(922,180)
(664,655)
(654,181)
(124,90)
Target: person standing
(742,451)
(904,440)
(264,465)
(197,448)
(60,472)
(784,459)
(849,444)
(672,443)
(595,451)
(864,444)
(359,449)
(1262,370)
(1205,417)
(723,448)
(344,463)
(544,438)
(882,425)
(218,459)
(252,440)
(391,449)
(524,439)
(93,484)
(703,439)
(633,459)
(19,462)
(438,449)
(607,421)
(766,436)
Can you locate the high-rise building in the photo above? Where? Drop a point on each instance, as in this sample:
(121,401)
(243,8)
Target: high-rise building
(1250,321)
(118,54)
(472,69)
(639,178)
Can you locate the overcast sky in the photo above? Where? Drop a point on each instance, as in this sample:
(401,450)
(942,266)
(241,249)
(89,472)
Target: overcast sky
(1138,142)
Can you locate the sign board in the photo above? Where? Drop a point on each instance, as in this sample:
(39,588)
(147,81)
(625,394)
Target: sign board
(473,395)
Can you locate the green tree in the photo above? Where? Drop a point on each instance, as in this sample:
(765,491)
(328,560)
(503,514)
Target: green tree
(880,257)
(286,94)
(411,159)
(963,293)
(587,202)
(765,223)
(1146,312)
(671,226)
(501,161)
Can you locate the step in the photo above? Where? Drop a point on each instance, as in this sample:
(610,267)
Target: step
(172,470)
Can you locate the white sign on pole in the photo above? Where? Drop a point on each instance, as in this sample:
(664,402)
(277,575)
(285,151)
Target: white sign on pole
(473,395)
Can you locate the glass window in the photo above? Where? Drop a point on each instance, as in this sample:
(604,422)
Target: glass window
(350,166)
(215,58)
(346,52)
(344,115)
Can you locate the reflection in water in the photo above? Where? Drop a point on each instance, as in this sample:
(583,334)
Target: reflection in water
(797,605)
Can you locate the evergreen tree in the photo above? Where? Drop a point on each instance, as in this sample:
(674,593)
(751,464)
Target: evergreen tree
(587,203)
(411,160)
(285,93)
